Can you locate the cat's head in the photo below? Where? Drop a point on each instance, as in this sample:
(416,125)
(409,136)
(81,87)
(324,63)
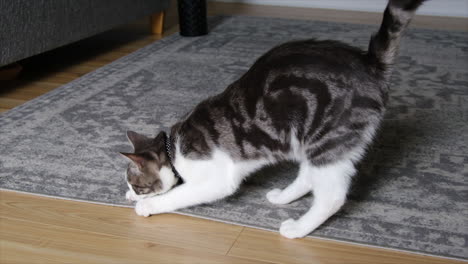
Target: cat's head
(149,171)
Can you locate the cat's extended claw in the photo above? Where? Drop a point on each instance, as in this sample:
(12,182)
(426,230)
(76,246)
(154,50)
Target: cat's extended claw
(292,229)
(143,208)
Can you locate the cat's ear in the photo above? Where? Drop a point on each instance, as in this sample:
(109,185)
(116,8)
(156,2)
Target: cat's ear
(160,137)
(139,160)
(138,141)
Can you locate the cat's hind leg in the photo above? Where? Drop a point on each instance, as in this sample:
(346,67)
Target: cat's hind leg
(298,188)
(330,185)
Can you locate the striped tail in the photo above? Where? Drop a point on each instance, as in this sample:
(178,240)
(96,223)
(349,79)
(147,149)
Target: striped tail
(383,46)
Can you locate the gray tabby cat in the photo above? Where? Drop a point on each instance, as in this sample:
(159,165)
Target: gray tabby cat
(318,103)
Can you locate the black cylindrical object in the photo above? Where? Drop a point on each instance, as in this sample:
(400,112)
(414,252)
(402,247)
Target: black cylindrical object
(192,17)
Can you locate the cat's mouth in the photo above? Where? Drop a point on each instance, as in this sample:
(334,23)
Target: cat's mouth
(136,193)
(131,195)
(162,191)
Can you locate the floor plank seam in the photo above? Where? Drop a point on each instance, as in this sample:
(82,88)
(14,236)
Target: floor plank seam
(233,243)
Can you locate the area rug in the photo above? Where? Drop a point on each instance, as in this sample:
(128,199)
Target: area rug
(411,191)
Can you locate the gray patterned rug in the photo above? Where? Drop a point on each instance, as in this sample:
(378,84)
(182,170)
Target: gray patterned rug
(411,192)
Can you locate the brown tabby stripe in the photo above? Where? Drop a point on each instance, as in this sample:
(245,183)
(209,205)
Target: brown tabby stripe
(328,93)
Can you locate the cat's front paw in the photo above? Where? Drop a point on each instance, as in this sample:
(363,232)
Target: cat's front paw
(292,229)
(143,208)
(131,196)
(273,196)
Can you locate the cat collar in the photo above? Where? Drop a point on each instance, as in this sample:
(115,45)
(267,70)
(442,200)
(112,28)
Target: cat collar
(167,145)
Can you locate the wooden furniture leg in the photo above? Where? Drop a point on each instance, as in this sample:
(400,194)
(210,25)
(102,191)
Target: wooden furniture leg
(9,72)
(157,23)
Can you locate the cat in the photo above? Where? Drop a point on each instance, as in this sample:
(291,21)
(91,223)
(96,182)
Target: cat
(318,103)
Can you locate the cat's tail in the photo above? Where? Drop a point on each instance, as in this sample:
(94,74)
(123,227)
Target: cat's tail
(383,45)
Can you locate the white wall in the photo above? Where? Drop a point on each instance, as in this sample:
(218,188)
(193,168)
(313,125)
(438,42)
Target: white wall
(453,8)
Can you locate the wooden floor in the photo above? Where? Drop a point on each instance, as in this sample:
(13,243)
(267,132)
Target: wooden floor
(43,230)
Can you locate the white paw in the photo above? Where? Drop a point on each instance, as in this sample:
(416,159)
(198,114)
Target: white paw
(273,196)
(143,208)
(131,196)
(292,229)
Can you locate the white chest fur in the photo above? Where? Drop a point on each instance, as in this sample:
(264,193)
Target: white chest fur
(221,170)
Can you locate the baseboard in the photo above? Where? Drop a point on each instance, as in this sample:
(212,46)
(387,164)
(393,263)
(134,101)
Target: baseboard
(449,8)
(332,15)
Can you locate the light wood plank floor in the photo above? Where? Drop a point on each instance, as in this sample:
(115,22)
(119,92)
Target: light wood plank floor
(44,230)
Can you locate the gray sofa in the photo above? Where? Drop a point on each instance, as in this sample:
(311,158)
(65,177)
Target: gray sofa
(30,27)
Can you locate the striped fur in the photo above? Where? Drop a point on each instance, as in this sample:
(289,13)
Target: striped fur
(330,94)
